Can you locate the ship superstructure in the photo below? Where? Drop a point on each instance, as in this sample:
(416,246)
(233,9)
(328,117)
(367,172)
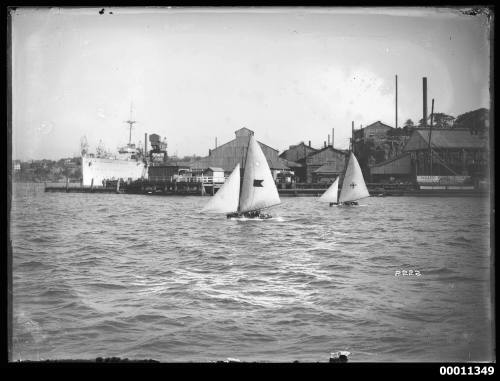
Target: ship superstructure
(127,165)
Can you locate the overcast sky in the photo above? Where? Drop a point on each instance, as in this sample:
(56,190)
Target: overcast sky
(289,74)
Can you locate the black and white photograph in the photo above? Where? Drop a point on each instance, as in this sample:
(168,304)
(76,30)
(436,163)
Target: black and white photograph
(251,185)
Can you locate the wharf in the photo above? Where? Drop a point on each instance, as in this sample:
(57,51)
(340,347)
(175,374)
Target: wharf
(157,187)
(198,188)
(402,193)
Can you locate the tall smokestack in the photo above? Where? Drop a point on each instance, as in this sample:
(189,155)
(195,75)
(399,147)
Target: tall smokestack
(324,144)
(396,101)
(309,143)
(145,144)
(216,142)
(328,139)
(424,84)
(332,135)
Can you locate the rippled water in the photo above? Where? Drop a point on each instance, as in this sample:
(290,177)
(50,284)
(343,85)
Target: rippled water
(150,277)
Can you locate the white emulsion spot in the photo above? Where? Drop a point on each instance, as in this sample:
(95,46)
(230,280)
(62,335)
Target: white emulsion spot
(101,113)
(45,127)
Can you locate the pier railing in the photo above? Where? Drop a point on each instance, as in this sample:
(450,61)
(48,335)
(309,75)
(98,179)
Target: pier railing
(186,179)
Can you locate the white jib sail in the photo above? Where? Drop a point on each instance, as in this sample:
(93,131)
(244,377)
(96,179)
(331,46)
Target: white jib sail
(258,189)
(227,197)
(353,187)
(331,194)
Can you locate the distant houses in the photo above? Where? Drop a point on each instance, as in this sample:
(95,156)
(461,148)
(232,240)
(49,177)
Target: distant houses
(46,170)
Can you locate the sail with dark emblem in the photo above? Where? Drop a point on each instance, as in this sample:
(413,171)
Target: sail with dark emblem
(258,190)
(353,187)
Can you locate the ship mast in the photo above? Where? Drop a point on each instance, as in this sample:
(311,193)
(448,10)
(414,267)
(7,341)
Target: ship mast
(131,122)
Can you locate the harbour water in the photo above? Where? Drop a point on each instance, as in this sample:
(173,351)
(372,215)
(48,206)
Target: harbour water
(150,277)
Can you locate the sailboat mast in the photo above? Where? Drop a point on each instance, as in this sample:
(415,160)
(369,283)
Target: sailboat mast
(430,135)
(243,177)
(352,137)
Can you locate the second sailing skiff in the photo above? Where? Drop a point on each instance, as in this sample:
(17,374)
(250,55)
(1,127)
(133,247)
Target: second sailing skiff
(353,188)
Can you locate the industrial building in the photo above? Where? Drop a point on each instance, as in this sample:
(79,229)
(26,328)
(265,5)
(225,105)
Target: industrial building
(398,169)
(376,131)
(448,152)
(325,165)
(227,155)
(295,158)
(437,156)
(298,152)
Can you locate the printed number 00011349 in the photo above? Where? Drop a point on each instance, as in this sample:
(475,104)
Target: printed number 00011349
(466,370)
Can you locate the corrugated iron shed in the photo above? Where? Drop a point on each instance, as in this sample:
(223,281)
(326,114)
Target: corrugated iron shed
(328,168)
(400,165)
(378,125)
(227,155)
(444,139)
(297,152)
(291,164)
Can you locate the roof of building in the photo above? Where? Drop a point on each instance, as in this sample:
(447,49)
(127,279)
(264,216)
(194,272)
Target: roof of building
(172,162)
(378,123)
(276,164)
(406,154)
(232,141)
(202,163)
(244,131)
(329,147)
(301,144)
(215,169)
(205,162)
(443,138)
(327,168)
(290,163)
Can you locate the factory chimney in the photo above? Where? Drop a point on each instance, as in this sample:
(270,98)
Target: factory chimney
(216,142)
(145,144)
(332,135)
(424,84)
(328,139)
(309,143)
(324,144)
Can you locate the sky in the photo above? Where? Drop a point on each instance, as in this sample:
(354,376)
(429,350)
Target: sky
(196,74)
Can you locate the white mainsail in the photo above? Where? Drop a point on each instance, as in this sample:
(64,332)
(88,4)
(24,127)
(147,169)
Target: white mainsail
(331,194)
(258,189)
(353,187)
(227,197)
